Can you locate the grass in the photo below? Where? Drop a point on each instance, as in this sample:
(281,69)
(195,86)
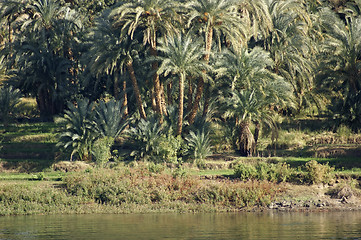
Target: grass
(46,176)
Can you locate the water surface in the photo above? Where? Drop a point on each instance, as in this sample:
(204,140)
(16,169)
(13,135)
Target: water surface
(341,225)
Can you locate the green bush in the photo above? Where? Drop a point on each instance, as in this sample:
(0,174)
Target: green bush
(150,142)
(78,136)
(101,150)
(279,172)
(9,98)
(199,145)
(245,171)
(109,119)
(28,199)
(319,173)
(86,123)
(140,186)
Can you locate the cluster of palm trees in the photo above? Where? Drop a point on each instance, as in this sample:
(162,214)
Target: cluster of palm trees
(252,59)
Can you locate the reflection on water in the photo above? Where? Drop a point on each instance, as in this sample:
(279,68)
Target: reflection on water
(342,225)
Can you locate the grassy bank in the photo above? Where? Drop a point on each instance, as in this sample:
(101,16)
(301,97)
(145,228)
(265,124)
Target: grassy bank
(130,190)
(35,180)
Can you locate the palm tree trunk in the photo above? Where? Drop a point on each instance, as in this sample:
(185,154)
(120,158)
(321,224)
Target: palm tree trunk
(190,95)
(125,98)
(136,89)
(180,104)
(200,86)
(164,105)
(206,100)
(157,87)
(245,140)
(10,35)
(169,93)
(116,86)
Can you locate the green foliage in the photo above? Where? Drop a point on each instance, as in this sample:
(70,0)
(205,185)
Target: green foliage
(245,171)
(199,145)
(319,173)
(168,148)
(27,199)
(343,131)
(9,98)
(141,186)
(279,172)
(109,119)
(78,136)
(150,142)
(85,123)
(101,149)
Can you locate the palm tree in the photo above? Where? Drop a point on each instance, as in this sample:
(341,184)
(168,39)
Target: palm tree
(254,92)
(44,75)
(153,18)
(340,69)
(43,68)
(216,19)
(11,10)
(182,57)
(292,48)
(110,53)
(256,16)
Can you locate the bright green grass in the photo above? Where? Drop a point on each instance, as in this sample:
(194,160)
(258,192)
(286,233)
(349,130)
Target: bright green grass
(48,176)
(212,172)
(34,132)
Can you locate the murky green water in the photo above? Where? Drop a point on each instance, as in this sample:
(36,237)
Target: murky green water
(345,225)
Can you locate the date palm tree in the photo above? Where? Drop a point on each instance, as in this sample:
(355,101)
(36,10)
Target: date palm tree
(182,56)
(153,18)
(292,48)
(110,53)
(10,11)
(43,58)
(254,91)
(340,68)
(215,19)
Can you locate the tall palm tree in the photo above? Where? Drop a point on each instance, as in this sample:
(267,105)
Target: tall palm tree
(340,68)
(253,91)
(42,67)
(182,56)
(153,18)
(110,53)
(216,19)
(292,48)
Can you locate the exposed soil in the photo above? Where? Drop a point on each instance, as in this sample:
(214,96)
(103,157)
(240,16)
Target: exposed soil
(339,197)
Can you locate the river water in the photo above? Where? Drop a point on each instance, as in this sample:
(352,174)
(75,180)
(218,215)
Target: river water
(271,225)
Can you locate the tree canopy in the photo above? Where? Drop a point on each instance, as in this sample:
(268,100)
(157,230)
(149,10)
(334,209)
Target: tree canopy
(243,61)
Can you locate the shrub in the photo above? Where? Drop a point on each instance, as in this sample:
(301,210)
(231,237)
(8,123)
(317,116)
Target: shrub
(279,172)
(319,173)
(109,118)
(140,186)
(101,150)
(78,136)
(245,171)
(9,98)
(85,123)
(150,142)
(199,145)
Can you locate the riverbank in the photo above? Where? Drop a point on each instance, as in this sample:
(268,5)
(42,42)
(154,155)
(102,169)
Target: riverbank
(142,190)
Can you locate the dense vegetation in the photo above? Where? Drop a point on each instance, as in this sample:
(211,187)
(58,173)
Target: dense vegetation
(161,79)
